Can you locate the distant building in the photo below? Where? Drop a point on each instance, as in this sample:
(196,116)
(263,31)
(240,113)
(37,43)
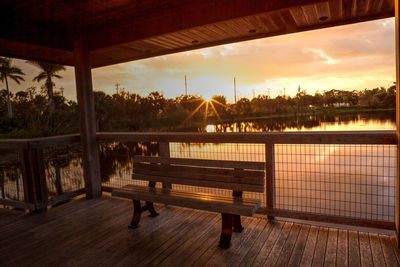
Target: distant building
(341,104)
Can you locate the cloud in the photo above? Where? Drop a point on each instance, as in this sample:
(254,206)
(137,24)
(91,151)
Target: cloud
(348,57)
(320,54)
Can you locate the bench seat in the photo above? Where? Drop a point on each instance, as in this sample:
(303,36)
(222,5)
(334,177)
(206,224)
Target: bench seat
(194,200)
(237,176)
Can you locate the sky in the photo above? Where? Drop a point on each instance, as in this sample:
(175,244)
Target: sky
(351,57)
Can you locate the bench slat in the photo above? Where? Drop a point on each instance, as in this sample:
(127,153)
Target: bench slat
(249,165)
(197,182)
(194,194)
(230,205)
(200,176)
(260,174)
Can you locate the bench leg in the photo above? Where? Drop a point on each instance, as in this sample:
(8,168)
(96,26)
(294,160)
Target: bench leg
(237,225)
(137,210)
(150,208)
(226,233)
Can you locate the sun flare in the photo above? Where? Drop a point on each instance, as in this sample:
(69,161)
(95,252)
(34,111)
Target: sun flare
(207,98)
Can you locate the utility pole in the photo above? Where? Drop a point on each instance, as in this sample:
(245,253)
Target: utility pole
(185,86)
(117,87)
(269,92)
(234,85)
(284,92)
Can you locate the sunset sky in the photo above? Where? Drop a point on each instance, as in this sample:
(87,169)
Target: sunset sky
(351,57)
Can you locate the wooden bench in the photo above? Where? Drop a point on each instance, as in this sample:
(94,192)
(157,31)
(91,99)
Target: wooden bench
(237,176)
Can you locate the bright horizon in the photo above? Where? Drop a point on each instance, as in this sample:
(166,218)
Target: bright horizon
(351,57)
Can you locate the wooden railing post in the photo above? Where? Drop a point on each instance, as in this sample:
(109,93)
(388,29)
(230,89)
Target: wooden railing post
(164,152)
(34,178)
(270,176)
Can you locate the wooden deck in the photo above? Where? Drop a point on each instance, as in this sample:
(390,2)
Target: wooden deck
(95,233)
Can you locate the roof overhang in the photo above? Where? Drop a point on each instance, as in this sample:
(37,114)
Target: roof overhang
(126,30)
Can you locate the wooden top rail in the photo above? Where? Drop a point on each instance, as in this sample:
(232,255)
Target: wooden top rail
(53,141)
(13,144)
(41,142)
(331,137)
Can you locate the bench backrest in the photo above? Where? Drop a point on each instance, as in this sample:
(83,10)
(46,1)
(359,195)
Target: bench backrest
(234,175)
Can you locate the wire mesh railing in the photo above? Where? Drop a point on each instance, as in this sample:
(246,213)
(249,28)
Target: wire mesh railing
(11,184)
(116,160)
(357,181)
(63,169)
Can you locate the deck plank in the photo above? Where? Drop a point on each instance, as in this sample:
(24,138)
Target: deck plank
(299,247)
(178,256)
(222,256)
(365,250)
(388,252)
(247,244)
(217,255)
(376,249)
(287,249)
(320,248)
(276,250)
(331,248)
(308,253)
(342,257)
(268,244)
(135,254)
(94,233)
(396,249)
(172,243)
(258,244)
(354,249)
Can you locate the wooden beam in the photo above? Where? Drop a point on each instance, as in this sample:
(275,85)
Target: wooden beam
(178,15)
(83,76)
(26,51)
(397,33)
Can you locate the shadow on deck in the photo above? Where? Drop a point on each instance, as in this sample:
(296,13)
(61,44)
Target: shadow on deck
(95,233)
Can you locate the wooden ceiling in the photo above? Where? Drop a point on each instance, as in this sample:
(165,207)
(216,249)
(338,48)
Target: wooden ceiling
(125,30)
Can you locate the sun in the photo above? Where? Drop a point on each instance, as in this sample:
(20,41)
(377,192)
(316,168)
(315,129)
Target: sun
(207,98)
(206,101)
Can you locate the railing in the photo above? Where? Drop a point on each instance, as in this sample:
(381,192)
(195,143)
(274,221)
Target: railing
(336,177)
(36,173)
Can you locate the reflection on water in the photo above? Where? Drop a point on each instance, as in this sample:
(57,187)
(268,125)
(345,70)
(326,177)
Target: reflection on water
(345,122)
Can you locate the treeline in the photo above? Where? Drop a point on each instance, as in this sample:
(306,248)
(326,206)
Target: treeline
(126,111)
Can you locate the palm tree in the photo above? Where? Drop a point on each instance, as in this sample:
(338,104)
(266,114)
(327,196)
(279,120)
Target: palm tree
(48,72)
(12,72)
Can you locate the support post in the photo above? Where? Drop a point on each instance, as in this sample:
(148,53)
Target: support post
(164,152)
(397,45)
(270,176)
(83,78)
(34,178)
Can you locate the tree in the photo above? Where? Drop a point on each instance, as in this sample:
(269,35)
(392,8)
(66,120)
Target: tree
(14,73)
(48,72)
